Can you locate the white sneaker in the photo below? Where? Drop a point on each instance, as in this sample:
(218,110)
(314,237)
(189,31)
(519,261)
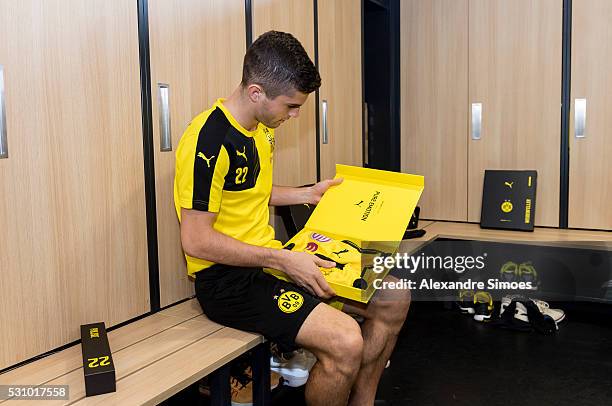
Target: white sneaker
(556,314)
(294,370)
(521,311)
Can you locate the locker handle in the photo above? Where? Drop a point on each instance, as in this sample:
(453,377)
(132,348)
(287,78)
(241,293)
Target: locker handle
(476,120)
(3,136)
(580,118)
(324,122)
(164,117)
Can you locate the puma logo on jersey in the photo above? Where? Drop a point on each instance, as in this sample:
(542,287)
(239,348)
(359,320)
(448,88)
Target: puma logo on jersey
(243,153)
(509,184)
(201,155)
(344,251)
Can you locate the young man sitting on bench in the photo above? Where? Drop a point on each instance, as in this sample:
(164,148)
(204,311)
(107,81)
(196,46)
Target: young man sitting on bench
(223,187)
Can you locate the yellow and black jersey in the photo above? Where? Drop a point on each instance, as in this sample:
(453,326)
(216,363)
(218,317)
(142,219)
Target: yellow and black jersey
(223,168)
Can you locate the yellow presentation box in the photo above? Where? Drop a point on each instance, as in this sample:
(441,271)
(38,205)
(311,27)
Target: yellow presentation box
(363,217)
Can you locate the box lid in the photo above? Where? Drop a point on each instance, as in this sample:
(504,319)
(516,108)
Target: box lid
(369,205)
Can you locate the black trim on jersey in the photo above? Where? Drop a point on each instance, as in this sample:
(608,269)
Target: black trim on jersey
(238,147)
(210,139)
(148,153)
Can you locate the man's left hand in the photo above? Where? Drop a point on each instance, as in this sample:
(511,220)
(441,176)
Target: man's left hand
(318,189)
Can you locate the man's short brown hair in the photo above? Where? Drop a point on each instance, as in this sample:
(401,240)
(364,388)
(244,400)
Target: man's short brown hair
(279,64)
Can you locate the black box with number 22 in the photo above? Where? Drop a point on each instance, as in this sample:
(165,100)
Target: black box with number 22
(98,364)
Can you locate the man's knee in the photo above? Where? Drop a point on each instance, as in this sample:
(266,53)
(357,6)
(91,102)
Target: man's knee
(391,306)
(346,350)
(349,343)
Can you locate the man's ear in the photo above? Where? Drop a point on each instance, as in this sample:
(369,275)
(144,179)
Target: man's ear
(255,93)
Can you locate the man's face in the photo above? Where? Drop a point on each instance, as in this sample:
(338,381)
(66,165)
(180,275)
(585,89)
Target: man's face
(273,112)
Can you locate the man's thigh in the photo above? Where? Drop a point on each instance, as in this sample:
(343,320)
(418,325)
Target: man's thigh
(327,328)
(249,299)
(383,299)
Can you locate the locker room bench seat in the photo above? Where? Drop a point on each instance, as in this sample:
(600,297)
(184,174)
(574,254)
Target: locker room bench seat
(540,235)
(155,357)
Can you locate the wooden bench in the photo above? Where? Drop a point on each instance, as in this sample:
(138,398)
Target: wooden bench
(448,229)
(155,357)
(540,236)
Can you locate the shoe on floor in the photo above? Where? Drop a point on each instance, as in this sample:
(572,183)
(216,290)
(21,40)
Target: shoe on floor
(293,368)
(483,306)
(507,317)
(466,301)
(556,314)
(521,311)
(526,273)
(509,272)
(242,387)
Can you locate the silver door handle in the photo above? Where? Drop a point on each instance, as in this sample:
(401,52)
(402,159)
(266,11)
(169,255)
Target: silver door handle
(476,120)
(3,140)
(580,118)
(165,141)
(324,122)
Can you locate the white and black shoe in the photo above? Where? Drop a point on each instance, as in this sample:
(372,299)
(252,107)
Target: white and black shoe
(521,310)
(466,301)
(483,306)
(520,313)
(293,367)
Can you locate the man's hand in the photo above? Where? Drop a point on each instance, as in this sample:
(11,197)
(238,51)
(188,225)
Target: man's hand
(318,189)
(303,269)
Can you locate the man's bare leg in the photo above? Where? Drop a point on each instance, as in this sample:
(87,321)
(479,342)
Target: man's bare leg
(335,339)
(384,318)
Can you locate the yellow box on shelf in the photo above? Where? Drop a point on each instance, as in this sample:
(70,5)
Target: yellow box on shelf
(363,217)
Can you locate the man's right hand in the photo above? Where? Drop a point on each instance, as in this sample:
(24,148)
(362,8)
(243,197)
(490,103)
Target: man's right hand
(303,269)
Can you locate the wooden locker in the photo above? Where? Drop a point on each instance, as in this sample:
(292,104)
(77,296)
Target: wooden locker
(197,47)
(515,74)
(295,152)
(72,213)
(590,191)
(434,108)
(340,97)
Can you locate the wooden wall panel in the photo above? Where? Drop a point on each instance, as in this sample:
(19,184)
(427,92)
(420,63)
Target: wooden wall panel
(73,248)
(295,153)
(197,47)
(590,165)
(515,72)
(434,103)
(339,23)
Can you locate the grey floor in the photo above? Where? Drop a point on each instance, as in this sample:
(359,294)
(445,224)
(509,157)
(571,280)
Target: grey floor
(445,358)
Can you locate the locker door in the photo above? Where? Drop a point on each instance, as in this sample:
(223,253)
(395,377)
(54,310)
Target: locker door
(295,153)
(341,99)
(73,248)
(515,76)
(434,81)
(197,48)
(590,191)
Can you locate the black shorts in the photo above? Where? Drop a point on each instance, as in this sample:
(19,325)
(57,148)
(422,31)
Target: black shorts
(251,300)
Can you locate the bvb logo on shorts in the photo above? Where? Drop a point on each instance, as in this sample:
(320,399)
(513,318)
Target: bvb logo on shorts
(290,301)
